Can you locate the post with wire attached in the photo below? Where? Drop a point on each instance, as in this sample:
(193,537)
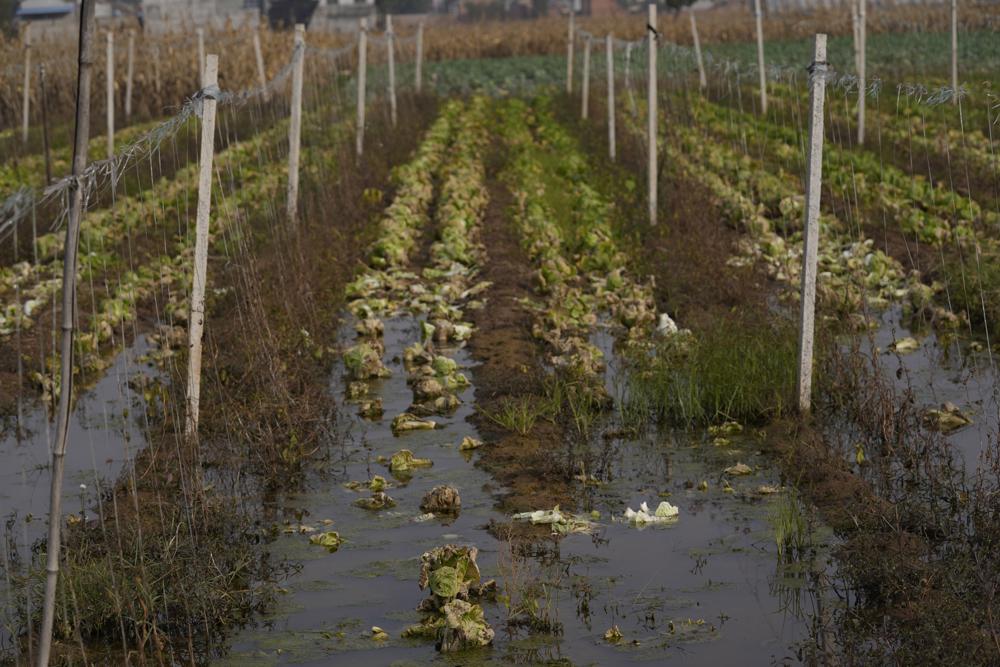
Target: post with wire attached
(111,93)
(651,112)
(391,52)
(569,46)
(196,321)
(81,140)
(362,92)
(585,86)
(702,79)
(295,124)
(814,179)
(862,65)
(419,72)
(609,56)
(26,107)
(760,56)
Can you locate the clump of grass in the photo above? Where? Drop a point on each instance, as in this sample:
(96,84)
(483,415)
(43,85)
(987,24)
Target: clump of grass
(740,371)
(792,533)
(517,414)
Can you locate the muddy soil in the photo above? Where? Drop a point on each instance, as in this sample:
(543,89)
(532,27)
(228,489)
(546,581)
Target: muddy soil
(511,367)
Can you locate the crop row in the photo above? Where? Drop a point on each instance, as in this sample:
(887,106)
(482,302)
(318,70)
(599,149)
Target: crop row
(170,272)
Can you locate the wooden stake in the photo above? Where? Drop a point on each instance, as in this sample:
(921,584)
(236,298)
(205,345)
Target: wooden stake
(814,179)
(585,97)
(201,55)
(110,73)
(80,142)
(419,75)
(702,79)
(46,146)
(389,45)
(26,107)
(259,57)
(609,51)
(362,91)
(196,322)
(569,48)
(760,56)
(862,64)
(651,112)
(954,51)
(130,70)
(295,126)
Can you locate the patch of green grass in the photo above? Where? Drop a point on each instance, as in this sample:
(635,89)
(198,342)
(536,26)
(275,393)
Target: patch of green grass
(792,533)
(518,414)
(735,371)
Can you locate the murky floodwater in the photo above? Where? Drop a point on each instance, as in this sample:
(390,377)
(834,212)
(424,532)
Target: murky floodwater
(706,590)
(944,371)
(105,432)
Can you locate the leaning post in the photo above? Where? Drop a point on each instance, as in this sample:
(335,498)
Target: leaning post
(760,56)
(814,178)
(196,321)
(569,47)
(702,79)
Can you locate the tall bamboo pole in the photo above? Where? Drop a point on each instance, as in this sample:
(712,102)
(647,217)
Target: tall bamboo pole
(585,87)
(129,72)
(81,139)
(419,73)
(954,50)
(862,67)
(46,145)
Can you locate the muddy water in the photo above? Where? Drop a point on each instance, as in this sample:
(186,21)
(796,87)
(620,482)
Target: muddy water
(105,432)
(705,590)
(942,371)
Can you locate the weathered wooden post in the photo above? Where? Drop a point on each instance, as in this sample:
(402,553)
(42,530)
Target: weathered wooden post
(652,112)
(585,88)
(26,106)
(259,57)
(702,79)
(196,321)
(760,56)
(609,57)
(862,65)
(362,73)
(201,55)
(419,73)
(391,52)
(110,73)
(814,178)
(854,32)
(954,51)
(80,142)
(129,72)
(295,124)
(570,47)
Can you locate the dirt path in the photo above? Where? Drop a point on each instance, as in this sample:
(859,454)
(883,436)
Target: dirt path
(511,369)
